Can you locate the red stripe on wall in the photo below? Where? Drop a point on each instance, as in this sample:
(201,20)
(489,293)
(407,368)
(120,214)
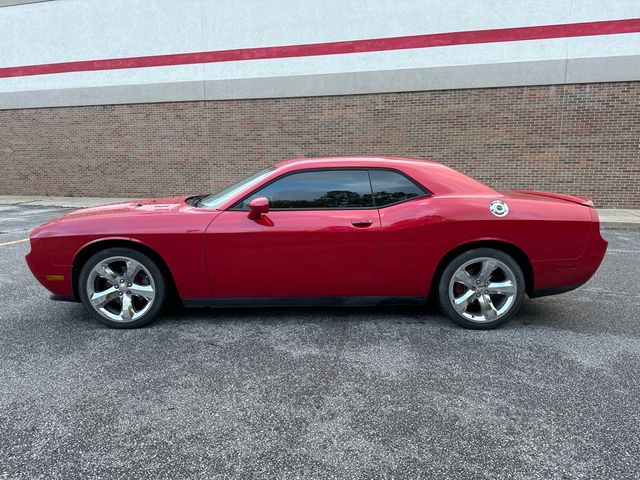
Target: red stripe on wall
(469,37)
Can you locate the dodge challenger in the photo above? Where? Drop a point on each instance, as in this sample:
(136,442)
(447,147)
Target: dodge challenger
(325,231)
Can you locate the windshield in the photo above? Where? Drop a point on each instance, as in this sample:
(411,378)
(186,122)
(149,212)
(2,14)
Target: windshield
(216,199)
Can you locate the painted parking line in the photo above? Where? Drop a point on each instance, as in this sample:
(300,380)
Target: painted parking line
(14,242)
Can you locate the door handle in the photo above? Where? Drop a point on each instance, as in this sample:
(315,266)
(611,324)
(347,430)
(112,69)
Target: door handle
(361,222)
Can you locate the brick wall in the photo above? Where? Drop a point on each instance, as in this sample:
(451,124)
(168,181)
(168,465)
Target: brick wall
(580,139)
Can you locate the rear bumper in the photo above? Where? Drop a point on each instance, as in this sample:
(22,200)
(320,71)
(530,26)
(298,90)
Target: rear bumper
(560,276)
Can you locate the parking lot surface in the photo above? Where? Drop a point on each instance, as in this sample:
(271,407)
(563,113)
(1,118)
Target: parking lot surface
(320,393)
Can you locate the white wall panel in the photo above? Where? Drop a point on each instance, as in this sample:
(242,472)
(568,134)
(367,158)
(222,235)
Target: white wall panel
(389,60)
(130,76)
(77,30)
(604,46)
(72,30)
(255,23)
(593,10)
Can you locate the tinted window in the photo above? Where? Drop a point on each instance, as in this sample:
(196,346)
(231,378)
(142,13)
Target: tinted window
(391,187)
(216,199)
(319,189)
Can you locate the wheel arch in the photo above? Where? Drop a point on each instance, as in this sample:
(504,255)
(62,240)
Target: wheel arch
(509,248)
(84,253)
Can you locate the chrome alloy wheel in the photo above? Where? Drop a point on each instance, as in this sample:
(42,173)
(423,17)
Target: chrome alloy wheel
(120,289)
(483,289)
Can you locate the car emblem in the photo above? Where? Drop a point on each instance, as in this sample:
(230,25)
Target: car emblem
(498,208)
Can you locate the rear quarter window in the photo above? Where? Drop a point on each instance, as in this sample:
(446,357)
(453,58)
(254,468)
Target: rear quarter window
(391,187)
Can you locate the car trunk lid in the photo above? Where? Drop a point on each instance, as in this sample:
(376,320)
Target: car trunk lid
(554,196)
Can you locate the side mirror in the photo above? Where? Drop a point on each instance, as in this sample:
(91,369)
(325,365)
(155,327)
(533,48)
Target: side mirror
(257,207)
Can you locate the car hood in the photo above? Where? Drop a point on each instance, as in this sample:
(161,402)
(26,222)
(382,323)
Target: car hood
(128,218)
(145,206)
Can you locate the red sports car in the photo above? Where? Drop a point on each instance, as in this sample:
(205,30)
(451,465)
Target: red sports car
(327,231)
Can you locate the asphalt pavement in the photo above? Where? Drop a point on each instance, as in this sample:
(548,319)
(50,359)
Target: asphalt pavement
(320,393)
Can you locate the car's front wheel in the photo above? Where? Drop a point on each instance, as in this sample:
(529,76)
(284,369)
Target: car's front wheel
(481,288)
(122,288)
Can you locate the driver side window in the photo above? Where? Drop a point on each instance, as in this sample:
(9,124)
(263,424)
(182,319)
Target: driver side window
(320,189)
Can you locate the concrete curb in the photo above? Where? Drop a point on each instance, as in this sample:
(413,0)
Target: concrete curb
(65,202)
(610,218)
(619,226)
(619,218)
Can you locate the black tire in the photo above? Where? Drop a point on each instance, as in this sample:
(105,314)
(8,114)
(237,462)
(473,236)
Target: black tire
(150,276)
(511,303)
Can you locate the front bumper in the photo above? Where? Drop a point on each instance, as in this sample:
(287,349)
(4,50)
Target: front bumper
(55,278)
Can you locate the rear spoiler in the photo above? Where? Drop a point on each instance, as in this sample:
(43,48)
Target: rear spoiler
(560,196)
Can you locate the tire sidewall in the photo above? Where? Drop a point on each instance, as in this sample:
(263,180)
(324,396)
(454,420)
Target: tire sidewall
(449,271)
(153,269)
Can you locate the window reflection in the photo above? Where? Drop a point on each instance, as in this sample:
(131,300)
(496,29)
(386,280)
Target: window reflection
(392,187)
(318,189)
(339,188)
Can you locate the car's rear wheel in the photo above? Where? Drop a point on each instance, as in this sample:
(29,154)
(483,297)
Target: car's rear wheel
(122,288)
(481,288)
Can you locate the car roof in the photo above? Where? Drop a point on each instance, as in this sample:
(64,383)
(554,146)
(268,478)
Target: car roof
(436,177)
(360,160)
